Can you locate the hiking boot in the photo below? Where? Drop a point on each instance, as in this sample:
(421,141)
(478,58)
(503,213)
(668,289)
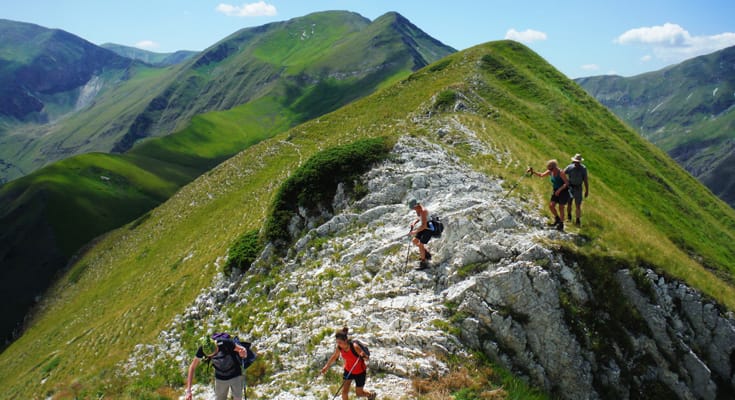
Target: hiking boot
(423,265)
(556,222)
(569,217)
(372,396)
(560,226)
(578,222)
(428,255)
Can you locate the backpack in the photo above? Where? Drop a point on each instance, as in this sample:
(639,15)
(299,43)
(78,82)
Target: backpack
(363,347)
(436,226)
(227,362)
(575,174)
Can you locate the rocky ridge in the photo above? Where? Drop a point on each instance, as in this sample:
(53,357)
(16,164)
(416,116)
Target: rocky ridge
(496,264)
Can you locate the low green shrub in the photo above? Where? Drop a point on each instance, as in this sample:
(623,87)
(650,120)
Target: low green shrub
(313,185)
(243,252)
(445,99)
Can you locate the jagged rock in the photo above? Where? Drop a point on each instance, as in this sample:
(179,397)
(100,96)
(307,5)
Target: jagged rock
(494,264)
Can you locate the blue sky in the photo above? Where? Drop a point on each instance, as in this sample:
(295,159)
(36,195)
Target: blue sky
(580,38)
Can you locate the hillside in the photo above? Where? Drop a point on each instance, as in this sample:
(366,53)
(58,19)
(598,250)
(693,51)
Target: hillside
(309,64)
(92,187)
(493,110)
(42,69)
(150,57)
(686,109)
(45,75)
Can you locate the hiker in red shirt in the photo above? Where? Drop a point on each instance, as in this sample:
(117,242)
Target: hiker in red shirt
(354,368)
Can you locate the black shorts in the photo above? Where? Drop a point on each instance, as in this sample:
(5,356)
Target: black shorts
(562,198)
(424,236)
(359,378)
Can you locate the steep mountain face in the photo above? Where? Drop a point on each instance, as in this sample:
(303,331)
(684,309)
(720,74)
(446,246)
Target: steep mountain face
(495,278)
(274,76)
(39,68)
(606,299)
(686,109)
(47,75)
(149,57)
(311,64)
(316,62)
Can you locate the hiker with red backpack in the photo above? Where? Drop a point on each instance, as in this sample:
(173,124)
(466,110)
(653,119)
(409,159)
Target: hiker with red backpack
(229,357)
(355,368)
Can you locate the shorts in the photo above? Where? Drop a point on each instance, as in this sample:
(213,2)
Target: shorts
(576,193)
(359,378)
(222,387)
(424,236)
(562,198)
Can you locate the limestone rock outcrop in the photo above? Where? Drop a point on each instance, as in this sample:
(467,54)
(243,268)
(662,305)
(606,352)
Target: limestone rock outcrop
(496,274)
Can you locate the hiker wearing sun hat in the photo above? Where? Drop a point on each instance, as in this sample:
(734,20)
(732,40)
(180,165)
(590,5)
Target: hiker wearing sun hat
(577,175)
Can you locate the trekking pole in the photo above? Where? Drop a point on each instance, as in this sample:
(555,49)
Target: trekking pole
(408,248)
(529,171)
(346,378)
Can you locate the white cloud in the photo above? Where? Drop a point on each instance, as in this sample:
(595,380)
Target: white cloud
(667,34)
(590,67)
(527,36)
(672,43)
(146,44)
(646,58)
(259,9)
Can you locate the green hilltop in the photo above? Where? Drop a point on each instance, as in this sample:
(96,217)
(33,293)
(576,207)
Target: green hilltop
(269,79)
(309,64)
(131,283)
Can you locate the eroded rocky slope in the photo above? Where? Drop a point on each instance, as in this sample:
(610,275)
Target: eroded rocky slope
(498,275)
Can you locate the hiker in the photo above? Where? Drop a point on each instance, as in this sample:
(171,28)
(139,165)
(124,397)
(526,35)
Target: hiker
(560,194)
(577,174)
(222,352)
(354,368)
(421,234)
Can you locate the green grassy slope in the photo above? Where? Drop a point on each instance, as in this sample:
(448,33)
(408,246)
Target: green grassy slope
(127,287)
(313,87)
(686,109)
(123,95)
(49,215)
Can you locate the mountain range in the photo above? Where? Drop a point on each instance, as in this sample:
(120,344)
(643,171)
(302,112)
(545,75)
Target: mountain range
(149,57)
(631,304)
(269,78)
(486,112)
(685,109)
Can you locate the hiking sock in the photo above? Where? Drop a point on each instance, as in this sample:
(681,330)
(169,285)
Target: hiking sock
(557,220)
(578,222)
(428,255)
(569,217)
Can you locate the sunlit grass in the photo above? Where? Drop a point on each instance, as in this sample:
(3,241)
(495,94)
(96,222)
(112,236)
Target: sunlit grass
(642,208)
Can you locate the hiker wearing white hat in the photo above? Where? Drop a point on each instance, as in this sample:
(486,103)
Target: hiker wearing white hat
(577,174)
